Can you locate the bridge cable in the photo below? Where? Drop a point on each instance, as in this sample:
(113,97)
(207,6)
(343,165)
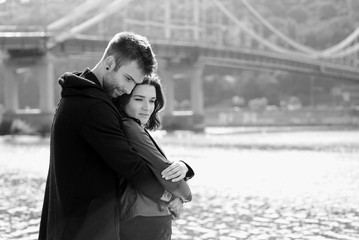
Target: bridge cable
(322,53)
(74,14)
(109,10)
(289,41)
(349,51)
(343,43)
(256,36)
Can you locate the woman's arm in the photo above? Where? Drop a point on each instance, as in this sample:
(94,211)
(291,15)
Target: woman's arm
(147,149)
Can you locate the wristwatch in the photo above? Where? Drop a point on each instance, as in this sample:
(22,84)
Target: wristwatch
(167,196)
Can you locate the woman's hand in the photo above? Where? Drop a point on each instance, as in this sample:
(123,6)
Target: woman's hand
(175,207)
(175,172)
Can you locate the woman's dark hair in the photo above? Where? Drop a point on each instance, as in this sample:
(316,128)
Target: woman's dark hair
(154,121)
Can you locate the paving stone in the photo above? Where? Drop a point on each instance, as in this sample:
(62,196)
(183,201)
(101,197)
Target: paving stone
(213,214)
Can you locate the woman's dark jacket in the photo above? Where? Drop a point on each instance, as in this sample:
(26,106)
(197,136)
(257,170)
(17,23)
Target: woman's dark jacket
(88,152)
(132,202)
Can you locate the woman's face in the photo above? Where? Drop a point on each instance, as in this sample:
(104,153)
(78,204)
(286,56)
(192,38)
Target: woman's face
(142,103)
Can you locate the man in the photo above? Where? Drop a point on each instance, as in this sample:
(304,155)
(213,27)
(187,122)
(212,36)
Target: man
(88,150)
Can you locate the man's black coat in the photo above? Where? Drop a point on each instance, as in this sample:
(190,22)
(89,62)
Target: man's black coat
(88,153)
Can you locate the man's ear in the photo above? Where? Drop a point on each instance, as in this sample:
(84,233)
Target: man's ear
(110,63)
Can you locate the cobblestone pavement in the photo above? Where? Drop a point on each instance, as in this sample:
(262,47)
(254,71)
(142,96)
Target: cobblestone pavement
(212,215)
(230,217)
(258,195)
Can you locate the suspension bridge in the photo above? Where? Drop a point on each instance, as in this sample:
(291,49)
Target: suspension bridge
(187,36)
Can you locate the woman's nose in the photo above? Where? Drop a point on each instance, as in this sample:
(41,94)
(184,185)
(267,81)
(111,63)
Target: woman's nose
(145,106)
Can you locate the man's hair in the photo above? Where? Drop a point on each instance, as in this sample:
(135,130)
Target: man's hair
(154,121)
(127,47)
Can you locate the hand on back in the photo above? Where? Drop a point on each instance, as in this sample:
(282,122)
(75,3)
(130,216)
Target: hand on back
(175,172)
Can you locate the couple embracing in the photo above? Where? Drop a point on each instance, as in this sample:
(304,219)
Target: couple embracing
(108,179)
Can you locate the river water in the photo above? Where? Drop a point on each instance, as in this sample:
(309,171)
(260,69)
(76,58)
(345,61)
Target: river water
(260,184)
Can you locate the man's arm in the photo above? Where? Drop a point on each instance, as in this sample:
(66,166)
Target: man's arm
(102,130)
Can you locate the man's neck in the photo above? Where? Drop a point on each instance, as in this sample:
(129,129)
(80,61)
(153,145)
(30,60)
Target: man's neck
(98,73)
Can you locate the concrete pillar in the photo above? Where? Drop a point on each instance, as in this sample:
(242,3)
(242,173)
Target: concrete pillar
(196,18)
(197,89)
(167,20)
(168,85)
(46,77)
(11,91)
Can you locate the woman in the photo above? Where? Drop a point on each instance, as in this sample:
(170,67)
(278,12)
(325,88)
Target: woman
(142,218)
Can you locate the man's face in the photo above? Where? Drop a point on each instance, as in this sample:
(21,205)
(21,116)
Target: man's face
(123,80)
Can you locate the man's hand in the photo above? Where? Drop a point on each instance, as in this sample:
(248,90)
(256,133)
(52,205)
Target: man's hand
(175,207)
(175,172)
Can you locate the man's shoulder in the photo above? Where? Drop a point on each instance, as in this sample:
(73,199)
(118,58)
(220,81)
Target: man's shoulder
(132,124)
(85,107)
